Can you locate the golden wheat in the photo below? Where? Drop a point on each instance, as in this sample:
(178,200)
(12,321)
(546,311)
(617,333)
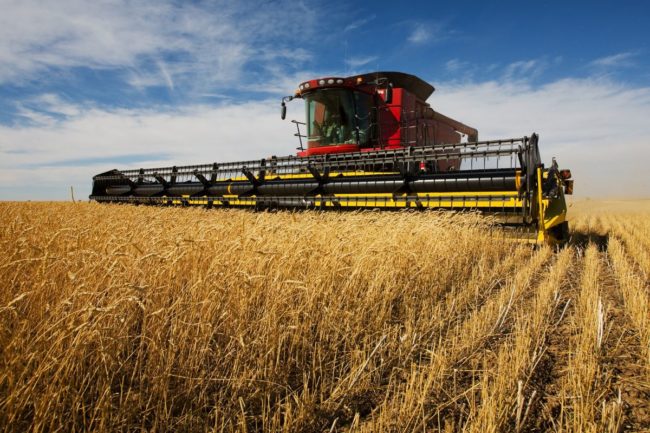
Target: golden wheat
(122,318)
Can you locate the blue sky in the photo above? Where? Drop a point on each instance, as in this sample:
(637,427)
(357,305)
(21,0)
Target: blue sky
(90,86)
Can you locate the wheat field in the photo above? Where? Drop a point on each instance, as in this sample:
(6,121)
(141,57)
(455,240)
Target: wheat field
(127,318)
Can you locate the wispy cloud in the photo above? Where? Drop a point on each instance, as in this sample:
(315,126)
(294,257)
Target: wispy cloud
(55,104)
(129,158)
(358,23)
(427,32)
(34,117)
(523,69)
(420,34)
(517,71)
(210,43)
(356,62)
(455,65)
(592,125)
(71,151)
(166,75)
(624,59)
(46,109)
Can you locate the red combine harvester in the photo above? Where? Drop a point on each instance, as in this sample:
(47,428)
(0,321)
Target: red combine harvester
(372,141)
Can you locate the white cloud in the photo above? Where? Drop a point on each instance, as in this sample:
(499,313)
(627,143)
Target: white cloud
(615,60)
(596,127)
(420,34)
(358,23)
(45,109)
(210,42)
(523,69)
(165,74)
(37,35)
(35,117)
(53,103)
(52,154)
(356,62)
(428,32)
(454,65)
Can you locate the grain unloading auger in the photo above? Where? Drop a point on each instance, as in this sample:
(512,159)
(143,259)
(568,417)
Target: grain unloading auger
(372,142)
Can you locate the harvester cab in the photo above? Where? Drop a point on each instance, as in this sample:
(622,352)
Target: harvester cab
(380,110)
(372,141)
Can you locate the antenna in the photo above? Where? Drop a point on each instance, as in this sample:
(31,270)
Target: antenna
(345,57)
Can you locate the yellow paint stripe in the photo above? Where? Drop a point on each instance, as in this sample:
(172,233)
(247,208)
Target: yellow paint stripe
(470,194)
(455,204)
(518,180)
(271,176)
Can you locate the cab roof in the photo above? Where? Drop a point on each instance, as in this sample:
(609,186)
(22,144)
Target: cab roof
(411,83)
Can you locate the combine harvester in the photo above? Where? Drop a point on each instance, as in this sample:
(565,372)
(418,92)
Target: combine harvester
(372,142)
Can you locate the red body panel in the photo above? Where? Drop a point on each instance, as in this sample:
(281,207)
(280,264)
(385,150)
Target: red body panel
(341,148)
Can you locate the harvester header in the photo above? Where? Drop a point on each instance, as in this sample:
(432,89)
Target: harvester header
(370,141)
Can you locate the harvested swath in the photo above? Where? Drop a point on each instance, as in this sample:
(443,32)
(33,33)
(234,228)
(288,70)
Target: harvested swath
(431,387)
(636,244)
(505,397)
(635,295)
(580,391)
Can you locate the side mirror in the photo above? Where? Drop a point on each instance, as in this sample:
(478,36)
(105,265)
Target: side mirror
(286,99)
(389,94)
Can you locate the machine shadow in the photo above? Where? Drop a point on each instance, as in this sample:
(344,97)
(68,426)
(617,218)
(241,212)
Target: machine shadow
(583,239)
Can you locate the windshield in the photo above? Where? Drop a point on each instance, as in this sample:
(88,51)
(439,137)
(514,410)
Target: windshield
(332,117)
